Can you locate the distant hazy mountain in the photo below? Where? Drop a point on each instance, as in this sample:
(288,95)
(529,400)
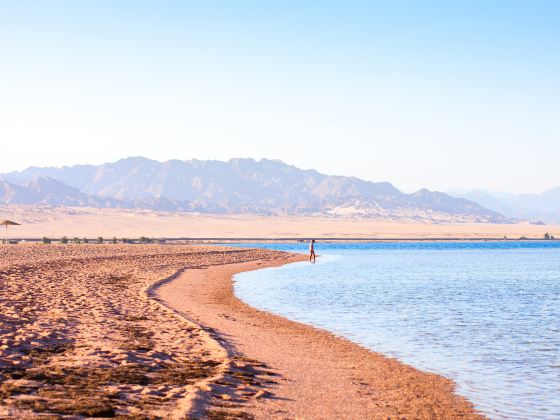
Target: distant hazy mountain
(543,207)
(50,192)
(235,186)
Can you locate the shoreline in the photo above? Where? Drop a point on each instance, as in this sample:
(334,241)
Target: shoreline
(285,369)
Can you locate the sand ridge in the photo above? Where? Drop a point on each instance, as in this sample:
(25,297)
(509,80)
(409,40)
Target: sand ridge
(283,369)
(79,336)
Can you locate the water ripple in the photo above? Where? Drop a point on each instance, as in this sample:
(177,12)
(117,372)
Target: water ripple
(485,314)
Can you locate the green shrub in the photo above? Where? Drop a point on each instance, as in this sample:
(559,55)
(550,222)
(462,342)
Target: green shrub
(77,240)
(46,240)
(114,240)
(64,240)
(99,239)
(86,241)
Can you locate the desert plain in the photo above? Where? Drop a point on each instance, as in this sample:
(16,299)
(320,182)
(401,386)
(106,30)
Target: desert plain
(54,222)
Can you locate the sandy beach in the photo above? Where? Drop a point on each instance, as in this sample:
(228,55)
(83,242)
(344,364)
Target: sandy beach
(297,370)
(79,336)
(156,332)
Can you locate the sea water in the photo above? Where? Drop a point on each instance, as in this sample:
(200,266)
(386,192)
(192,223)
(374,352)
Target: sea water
(485,314)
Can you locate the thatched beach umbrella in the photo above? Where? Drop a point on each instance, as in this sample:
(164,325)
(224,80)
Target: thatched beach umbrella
(8,223)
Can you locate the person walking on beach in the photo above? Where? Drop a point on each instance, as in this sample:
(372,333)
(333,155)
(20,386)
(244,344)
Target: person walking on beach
(312,250)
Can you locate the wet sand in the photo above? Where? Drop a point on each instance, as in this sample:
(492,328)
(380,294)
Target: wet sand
(275,368)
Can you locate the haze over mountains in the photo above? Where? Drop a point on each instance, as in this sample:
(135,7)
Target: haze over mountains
(238,186)
(544,207)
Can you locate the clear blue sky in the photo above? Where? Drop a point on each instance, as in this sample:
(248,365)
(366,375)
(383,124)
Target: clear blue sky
(435,94)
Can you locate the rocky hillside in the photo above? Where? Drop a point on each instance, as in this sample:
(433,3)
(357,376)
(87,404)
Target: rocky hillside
(238,186)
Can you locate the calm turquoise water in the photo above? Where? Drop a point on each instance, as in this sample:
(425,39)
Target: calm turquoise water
(485,314)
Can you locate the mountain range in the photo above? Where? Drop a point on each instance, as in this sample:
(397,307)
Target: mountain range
(538,208)
(237,186)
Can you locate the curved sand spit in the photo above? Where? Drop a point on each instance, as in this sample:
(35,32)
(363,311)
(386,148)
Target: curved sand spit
(283,369)
(156,332)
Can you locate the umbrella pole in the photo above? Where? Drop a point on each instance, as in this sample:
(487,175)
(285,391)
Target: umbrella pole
(6,235)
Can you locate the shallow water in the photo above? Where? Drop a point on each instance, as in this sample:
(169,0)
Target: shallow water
(486,314)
